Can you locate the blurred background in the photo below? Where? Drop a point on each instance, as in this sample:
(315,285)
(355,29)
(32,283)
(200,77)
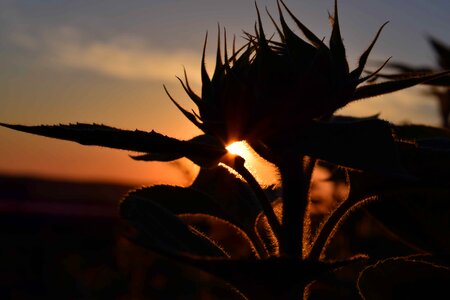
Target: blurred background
(105,62)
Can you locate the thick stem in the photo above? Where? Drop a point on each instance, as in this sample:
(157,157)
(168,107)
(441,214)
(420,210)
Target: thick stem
(295,182)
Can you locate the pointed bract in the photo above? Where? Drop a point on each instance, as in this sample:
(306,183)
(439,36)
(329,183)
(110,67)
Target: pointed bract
(373,90)
(363,59)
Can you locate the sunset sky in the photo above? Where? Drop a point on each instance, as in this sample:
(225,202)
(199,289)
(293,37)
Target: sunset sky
(65,61)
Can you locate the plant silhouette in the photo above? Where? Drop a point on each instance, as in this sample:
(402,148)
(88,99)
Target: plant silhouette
(279,96)
(439,88)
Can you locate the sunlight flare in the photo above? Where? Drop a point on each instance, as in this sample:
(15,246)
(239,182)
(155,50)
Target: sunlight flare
(265,172)
(239,148)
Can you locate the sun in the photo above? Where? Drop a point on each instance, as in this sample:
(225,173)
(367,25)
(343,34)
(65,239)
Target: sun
(238,148)
(261,169)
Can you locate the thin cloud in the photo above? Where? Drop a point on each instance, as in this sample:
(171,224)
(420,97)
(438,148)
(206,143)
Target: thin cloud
(123,57)
(134,59)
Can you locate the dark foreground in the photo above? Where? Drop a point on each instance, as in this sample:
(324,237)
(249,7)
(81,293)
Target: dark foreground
(63,240)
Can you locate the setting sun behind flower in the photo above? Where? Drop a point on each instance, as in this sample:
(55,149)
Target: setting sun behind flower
(239,148)
(261,169)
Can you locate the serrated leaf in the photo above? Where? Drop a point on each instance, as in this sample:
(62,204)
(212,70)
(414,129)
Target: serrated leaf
(102,135)
(231,238)
(373,90)
(160,230)
(157,157)
(399,278)
(155,145)
(441,81)
(199,145)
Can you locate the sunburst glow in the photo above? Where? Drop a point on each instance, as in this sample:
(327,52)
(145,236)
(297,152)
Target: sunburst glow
(261,169)
(239,148)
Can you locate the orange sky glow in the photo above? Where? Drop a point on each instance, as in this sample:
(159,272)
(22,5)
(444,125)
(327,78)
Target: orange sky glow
(63,62)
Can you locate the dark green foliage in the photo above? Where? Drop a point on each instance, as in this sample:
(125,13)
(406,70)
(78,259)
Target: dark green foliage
(280,97)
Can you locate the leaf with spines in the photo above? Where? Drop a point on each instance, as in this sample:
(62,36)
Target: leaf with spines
(356,73)
(337,48)
(440,81)
(190,116)
(308,33)
(372,90)
(206,81)
(162,147)
(296,48)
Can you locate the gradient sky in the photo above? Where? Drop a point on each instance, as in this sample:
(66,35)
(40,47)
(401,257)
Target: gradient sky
(63,61)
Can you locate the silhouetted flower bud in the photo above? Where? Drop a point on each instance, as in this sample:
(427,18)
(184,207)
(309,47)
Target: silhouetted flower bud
(271,90)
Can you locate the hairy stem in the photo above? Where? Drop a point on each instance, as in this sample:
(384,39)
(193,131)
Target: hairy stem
(295,180)
(260,195)
(338,215)
(327,229)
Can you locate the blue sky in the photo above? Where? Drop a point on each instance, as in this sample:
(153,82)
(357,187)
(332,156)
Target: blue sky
(105,62)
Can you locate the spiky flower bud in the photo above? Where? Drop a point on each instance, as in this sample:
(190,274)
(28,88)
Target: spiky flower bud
(270,90)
